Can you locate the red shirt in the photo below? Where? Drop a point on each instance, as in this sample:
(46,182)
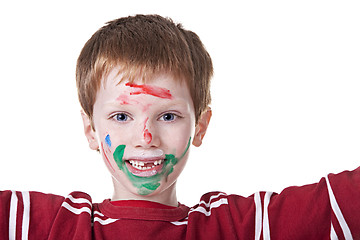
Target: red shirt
(329,209)
(140,204)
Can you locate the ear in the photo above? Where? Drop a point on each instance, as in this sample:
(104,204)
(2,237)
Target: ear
(89,131)
(201,127)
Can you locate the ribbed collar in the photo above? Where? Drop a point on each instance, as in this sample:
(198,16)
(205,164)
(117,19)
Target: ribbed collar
(143,213)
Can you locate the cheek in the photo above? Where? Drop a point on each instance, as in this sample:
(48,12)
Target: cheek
(106,153)
(108,141)
(181,134)
(114,136)
(111,152)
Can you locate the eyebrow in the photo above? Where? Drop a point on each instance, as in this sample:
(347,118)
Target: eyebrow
(172,104)
(150,90)
(124,99)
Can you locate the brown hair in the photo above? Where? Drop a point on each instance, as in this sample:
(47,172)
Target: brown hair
(141,46)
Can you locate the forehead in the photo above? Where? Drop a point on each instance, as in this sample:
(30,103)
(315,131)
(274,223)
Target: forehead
(134,77)
(161,84)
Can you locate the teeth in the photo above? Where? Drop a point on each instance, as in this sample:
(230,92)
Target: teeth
(158,162)
(141,165)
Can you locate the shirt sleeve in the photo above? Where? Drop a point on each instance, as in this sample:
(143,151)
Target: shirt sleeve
(329,209)
(34,215)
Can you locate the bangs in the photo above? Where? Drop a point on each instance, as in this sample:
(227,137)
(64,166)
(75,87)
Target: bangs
(130,72)
(141,47)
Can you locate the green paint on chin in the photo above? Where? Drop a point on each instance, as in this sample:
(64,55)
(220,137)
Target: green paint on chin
(147,185)
(151,186)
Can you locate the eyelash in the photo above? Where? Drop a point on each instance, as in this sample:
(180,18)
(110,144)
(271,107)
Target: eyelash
(174,117)
(115,117)
(125,117)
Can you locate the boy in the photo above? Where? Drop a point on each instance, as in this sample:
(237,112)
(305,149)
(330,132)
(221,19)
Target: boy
(143,84)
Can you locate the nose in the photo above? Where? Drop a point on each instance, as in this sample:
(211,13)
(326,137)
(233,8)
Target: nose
(145,135)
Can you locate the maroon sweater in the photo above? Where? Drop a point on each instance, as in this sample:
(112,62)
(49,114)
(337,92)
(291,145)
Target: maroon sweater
(329,209)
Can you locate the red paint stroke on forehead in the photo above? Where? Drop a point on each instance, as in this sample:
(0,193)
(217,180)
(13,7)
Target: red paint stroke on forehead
(150,90)
(123,99)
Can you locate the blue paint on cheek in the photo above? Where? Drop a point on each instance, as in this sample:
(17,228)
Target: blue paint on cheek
(107,140)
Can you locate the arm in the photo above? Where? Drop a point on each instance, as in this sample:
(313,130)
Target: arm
(34,215)
(328,208)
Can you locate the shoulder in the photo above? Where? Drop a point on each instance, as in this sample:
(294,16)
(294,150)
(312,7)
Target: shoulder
(44,201)
(208,202)
(78,202)
(332,204)
(43,204)
(37,215)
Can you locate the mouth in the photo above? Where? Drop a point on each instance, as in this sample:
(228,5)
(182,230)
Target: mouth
(145,167)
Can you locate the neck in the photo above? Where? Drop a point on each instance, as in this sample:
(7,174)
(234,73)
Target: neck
(166,197)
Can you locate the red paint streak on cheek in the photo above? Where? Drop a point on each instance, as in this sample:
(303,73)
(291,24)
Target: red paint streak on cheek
(149,90)
(107,159)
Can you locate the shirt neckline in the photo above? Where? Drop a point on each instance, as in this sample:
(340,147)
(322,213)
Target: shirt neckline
(144,213)
(140,203)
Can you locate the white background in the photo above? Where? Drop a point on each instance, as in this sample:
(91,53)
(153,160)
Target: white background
(286,94)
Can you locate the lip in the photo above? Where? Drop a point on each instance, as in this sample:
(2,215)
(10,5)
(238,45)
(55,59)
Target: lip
(146,172)
(145,159)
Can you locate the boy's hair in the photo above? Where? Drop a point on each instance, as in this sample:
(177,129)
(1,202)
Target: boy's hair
(142,46)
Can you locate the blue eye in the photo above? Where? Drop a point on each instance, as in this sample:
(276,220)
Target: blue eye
(168,117)
(121,117)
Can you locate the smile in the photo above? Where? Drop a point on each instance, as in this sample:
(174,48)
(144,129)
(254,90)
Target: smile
(144,168)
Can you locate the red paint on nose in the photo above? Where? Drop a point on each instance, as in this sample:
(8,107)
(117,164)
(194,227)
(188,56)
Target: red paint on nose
(147,136)
(150,90)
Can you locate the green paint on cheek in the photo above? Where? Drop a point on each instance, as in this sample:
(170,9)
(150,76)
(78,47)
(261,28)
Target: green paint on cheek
(171,158)
(118,156)
(147,185)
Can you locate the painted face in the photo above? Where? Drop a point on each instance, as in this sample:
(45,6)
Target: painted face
(144,132)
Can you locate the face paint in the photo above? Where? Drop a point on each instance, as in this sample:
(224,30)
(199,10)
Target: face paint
(118,155)
(147,185)
(146,107)
(147,134)
(107,159)
(124,99)
(107,140)
(150,90)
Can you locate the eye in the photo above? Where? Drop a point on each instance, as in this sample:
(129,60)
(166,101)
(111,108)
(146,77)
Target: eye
(121,117)
(168,117)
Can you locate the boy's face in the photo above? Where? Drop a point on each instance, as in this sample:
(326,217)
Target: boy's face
(144,132)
